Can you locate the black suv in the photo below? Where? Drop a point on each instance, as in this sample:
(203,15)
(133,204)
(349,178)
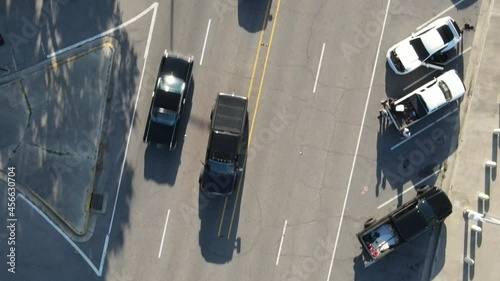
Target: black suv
(224,160)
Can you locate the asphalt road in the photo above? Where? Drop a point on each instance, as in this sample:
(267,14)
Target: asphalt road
(306,169)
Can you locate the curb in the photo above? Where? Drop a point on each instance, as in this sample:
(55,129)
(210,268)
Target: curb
(470,82)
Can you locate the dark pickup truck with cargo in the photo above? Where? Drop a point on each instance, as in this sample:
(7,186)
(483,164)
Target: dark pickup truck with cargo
(168,100)
(224,160)
(380,237)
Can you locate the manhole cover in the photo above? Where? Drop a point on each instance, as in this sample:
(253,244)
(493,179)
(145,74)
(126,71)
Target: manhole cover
(97,202)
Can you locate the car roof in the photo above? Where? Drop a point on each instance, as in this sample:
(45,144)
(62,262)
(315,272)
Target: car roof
(223,146)
(176,66)
(167,100)
(230,113)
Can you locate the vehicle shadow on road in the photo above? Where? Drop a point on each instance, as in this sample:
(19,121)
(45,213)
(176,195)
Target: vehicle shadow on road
(253,15)
(460,4)
(219,222)
(162,165)
(440,253)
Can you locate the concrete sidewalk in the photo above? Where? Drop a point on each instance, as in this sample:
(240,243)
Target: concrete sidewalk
(52,116)
(468,174)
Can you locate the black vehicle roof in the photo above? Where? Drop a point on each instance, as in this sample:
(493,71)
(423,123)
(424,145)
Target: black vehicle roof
(223,146)
(167,100)
(176,66)
(410,223)
(440,204)
(230,112)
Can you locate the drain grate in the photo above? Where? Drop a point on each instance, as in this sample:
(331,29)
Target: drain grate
(97,202)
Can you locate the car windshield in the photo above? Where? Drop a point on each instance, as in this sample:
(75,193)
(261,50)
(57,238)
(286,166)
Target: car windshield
(220,167)
(163,116)
(426,211)
(446,91)
(419,48)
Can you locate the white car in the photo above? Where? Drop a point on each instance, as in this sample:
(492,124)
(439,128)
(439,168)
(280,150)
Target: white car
(438,37)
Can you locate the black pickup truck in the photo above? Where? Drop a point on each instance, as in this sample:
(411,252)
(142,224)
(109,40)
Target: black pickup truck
(224,160)
(168,100)
(380,237)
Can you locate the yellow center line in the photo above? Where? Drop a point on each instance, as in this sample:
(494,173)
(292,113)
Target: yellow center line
(275,20)
(248,96)
(258,49)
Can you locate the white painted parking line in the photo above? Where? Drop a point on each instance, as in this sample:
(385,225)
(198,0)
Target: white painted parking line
(319,67)
(359,139)
(281,243)
(163,236)
(146,52)
(410,188)
(438,15)
(205,42)
(416,81)
(94,268)
(421,131)
(455,57)
(78,44)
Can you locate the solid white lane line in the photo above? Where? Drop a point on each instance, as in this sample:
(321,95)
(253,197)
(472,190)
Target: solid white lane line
(78,44)
(163,236)
(281,243)
(420,79)
(61,233)
(151,27)
(438,15)
(427,127)
(319,68)
(359,140)
(410,188)
(205,42)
